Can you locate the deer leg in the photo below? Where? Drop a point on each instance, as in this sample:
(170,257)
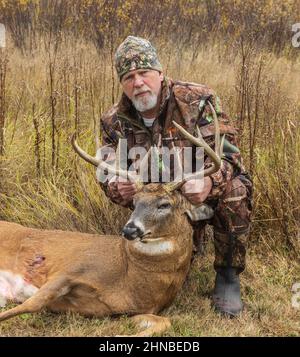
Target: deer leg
(150,324)
(47,293)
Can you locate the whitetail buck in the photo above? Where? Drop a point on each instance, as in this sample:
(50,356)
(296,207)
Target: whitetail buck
(98,275)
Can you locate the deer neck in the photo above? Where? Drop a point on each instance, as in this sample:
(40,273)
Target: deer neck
(160,254)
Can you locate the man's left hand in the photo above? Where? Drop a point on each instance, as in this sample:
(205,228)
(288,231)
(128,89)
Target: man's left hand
(195,194)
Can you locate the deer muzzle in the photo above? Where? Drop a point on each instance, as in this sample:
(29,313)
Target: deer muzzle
(132,231)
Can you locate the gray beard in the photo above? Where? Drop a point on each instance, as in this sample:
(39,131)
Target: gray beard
(144,104)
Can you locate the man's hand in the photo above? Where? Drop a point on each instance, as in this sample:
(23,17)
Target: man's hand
(195,194)
(126,189)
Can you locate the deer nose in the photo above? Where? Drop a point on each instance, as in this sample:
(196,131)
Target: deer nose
(131,231)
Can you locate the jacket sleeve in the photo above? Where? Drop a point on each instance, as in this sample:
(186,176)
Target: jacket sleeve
(231,158)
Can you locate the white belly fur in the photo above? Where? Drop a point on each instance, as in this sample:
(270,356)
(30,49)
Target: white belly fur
(14,288)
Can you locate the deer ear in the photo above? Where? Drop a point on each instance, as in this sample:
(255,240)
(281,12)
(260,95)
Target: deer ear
(200,213)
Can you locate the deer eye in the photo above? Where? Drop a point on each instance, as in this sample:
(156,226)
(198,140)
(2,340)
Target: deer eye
(165,205)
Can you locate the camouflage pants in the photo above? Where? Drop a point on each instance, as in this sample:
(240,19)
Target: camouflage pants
(231,223)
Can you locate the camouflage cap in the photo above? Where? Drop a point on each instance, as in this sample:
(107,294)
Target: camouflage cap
(135,53)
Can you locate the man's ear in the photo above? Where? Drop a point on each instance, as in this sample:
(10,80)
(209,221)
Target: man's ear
(200,213)
(161,76)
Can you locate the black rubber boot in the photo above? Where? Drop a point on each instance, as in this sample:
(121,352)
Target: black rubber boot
(227,293)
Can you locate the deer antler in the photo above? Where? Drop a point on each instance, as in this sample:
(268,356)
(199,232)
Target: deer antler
(99,163)
(199,141)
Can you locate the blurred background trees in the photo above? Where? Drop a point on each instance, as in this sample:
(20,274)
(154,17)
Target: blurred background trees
(194,22)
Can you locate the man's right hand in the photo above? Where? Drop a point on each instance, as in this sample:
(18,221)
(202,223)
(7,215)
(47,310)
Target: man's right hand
(126,189)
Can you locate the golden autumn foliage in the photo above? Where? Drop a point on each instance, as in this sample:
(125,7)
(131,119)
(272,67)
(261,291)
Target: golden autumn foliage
(268,22)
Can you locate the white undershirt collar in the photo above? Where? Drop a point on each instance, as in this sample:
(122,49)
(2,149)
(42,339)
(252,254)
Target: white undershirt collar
(148,121)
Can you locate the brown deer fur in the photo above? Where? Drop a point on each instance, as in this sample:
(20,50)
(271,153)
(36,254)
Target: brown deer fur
(100,275)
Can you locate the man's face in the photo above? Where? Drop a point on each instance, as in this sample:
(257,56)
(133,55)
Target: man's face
(142,87)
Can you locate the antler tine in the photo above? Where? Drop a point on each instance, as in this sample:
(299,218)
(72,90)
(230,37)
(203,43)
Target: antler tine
(98,163)
(217,131)
(222,146)
(209,151)
(143,165)
(118,155)
(177,157)
(144,162)
(85,156)
(199,141)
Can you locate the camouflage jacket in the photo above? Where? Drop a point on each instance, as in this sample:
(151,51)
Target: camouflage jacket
(186,103)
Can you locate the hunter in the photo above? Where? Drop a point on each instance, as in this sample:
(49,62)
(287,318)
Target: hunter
(144,114)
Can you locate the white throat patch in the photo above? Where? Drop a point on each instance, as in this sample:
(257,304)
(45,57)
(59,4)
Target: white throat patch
(155,247)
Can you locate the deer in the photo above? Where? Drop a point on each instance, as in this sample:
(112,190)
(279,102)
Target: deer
(138,273)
